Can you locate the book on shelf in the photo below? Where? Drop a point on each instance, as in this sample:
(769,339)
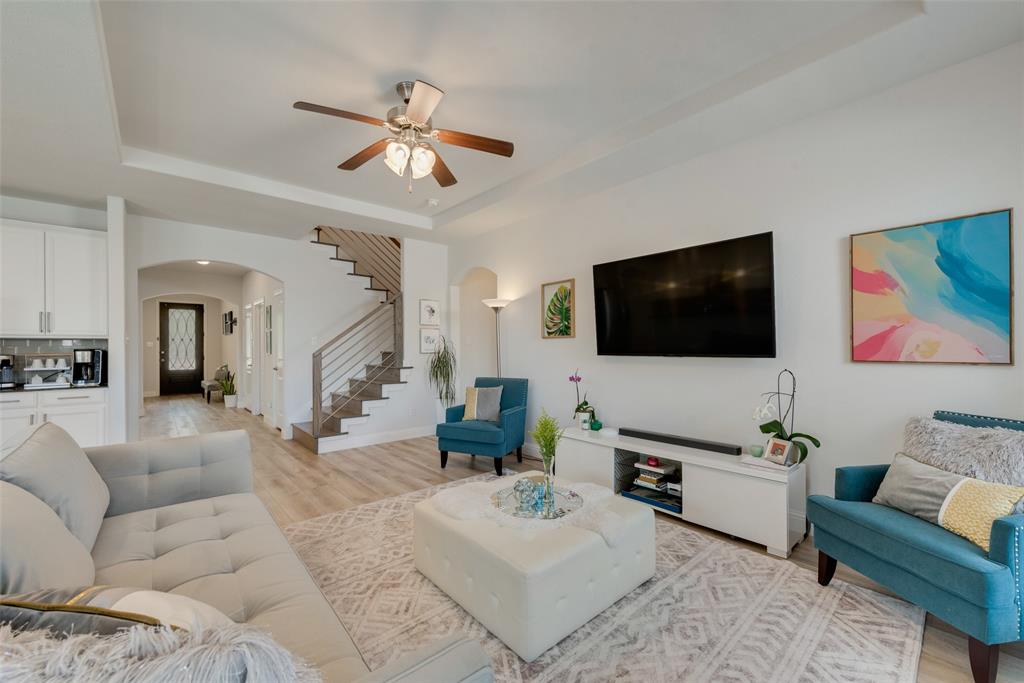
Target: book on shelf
(646,485)
(656,499)
(661,469)
(651,478)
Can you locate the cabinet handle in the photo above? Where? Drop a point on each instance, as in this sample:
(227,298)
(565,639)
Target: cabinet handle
(49,321)
(11,400)
(31,419)
(71,398)
(44,417)
(41,328)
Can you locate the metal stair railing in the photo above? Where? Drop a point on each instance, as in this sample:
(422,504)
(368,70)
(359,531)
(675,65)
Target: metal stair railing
(379,256)
(346,356)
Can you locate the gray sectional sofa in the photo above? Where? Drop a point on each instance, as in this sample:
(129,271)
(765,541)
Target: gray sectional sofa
(182,518)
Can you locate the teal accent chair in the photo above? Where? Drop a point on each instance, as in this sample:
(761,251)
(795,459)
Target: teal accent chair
(481,437)
(977,592)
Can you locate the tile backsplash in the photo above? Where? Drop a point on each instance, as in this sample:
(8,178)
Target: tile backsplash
(12,346)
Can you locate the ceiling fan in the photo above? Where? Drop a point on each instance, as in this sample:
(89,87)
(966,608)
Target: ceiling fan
(411,132)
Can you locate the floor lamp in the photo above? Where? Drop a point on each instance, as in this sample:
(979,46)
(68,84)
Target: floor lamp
(496,305)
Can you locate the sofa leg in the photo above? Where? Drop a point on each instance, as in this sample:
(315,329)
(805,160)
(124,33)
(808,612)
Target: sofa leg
(826,568)
(984,660)
(497,466)
(519,454)
(444,459)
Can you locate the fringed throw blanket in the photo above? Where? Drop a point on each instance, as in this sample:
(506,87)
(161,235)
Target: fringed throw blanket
(150,654)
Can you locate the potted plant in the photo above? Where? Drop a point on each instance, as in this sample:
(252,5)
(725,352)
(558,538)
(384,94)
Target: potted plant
(546,434)
(774,425)
(441,372)
(227,386)
(582,406)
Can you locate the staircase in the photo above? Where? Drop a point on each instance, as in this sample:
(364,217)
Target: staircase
(356,371)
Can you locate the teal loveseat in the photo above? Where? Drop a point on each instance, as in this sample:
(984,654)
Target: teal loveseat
(977,592)
(483,437)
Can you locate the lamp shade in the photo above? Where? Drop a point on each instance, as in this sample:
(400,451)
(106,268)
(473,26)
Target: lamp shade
(497,304)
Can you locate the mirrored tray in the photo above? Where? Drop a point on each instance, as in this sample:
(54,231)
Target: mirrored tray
(565,501)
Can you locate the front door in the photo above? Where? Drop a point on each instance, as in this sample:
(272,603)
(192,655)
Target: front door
(181,348)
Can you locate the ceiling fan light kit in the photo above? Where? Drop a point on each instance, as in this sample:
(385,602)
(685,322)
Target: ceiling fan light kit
(412,131)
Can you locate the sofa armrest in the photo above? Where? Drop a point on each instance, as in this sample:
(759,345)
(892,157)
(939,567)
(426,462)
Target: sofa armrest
(513,423)
(859,483)
(148,474)
(452,660)
(455,413)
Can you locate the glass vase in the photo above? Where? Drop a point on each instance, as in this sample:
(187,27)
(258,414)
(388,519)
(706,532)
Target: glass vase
(549,487)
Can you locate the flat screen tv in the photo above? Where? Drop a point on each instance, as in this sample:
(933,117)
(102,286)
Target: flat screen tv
(710,300)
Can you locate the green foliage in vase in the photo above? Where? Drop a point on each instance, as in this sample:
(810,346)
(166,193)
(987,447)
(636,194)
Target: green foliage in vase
(441,372)
(227,385)
(558,314)
(546,433)
(776,429)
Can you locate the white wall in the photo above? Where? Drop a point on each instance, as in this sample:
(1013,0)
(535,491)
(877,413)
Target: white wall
(213,346)
(476,338)
(947,144)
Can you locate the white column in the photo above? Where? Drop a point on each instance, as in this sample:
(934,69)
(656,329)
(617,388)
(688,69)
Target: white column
(117,413)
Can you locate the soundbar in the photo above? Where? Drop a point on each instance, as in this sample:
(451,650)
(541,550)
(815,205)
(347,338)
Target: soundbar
(689,442)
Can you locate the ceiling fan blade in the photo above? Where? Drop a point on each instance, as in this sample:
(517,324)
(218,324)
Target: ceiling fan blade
(331,111)
(442,174)
(424,100)
(478,142)
(364,155)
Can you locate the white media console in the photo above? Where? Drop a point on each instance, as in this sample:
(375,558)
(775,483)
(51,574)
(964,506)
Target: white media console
(752,502)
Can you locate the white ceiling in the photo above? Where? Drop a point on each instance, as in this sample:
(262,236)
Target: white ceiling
(184,108)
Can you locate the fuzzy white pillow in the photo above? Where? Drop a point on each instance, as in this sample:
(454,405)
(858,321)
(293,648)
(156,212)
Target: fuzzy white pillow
(991,454)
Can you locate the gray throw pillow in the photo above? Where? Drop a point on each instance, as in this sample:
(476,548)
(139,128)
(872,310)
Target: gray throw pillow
(48,463)
(38,550)
(488,403)
(991,454)
(916,488)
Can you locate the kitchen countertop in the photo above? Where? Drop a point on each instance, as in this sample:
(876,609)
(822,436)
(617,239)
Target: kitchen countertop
(66,387)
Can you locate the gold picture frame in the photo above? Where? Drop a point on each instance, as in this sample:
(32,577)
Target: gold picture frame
(558,309)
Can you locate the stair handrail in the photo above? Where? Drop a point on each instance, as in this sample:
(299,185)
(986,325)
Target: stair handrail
(378,255)
(370,347)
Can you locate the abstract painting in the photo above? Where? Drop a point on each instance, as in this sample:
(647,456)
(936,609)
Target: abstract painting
(558,309)
(936,292)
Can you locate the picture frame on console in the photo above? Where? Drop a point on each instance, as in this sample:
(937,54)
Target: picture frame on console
(558,309)
(779,451)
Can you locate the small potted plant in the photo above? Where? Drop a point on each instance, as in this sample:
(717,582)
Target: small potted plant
(583,413)
(227,386)
(546,434)
(441,372)
(774,420)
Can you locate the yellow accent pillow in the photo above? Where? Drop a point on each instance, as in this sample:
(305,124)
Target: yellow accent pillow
(973,505)
(470,404)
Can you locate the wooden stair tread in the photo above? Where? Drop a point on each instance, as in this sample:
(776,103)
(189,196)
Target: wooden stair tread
(392,367)
(377,381)
(346,260)
(373,289)
(325,431)
(328,410)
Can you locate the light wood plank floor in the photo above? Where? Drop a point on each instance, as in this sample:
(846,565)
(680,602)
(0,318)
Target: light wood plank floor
(295,485)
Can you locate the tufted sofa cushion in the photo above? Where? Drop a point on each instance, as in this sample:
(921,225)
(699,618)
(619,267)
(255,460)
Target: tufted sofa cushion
(226,551)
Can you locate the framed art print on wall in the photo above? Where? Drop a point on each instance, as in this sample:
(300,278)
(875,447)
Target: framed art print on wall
(430,313)
(558,309)
(938,292)
(429,340)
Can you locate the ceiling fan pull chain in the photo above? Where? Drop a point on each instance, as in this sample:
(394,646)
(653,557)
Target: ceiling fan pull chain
(410,181)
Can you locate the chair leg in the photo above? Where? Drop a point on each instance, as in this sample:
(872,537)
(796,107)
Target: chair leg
(444,459)
(497,466)
(826,568)
(519,454)
(984,660)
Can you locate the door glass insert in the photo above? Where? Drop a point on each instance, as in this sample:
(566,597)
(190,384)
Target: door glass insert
(181,343)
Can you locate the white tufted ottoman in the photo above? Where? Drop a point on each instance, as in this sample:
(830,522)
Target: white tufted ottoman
(532,588)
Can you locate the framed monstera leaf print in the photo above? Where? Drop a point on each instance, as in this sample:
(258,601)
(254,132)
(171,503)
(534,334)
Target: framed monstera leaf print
(558,309)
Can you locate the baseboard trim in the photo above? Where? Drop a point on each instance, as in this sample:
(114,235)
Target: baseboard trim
(343,443)
(150,394)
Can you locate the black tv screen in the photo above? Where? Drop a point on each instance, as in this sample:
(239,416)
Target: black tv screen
(710,300)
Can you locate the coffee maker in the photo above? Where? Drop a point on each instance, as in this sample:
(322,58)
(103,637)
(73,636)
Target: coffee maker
(89,368)
(7,372)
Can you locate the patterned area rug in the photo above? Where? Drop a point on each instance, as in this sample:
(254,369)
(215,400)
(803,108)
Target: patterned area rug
(713,612)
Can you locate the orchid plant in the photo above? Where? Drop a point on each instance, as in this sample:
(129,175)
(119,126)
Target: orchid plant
(581,406)
(772,418)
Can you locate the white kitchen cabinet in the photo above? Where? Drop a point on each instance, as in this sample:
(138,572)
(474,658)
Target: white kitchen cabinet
(22,280)
(54,281)
(82,413)
(76,283)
